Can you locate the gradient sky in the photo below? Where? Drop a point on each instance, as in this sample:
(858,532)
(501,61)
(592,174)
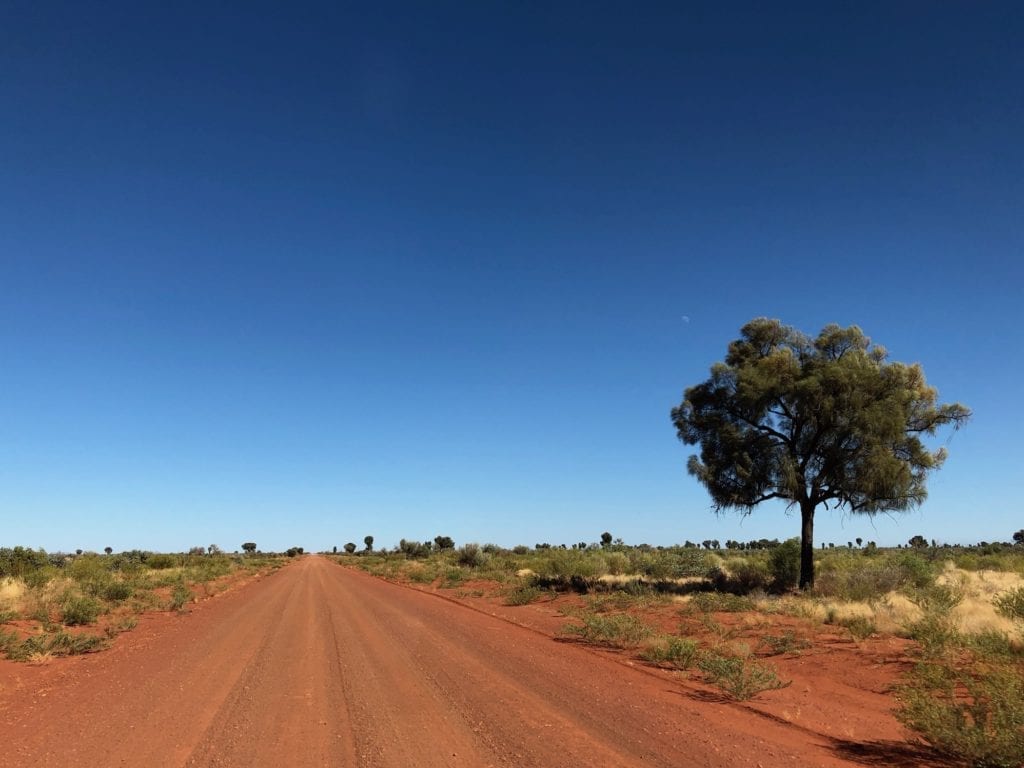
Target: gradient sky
(300,273)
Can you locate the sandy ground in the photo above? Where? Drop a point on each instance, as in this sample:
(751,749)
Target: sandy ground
(319,665)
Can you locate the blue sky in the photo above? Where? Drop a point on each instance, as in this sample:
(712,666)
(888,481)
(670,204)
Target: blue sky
(296,275)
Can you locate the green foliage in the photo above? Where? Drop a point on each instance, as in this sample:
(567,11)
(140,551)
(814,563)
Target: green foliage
(787,642)
(720,602)
(739,676)
(444,542)
(850,576)
(784,561)
(523,595)
(812,421)
(350,547)
(860,627)
(58,643)
(180,595)
(680,652)
(617,631)
(1011,604)
(18,562)
(162,562)
(471,556)
(974,713)
(78,609)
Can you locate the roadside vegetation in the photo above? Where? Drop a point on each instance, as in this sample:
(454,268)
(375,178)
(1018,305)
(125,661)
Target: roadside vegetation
(738,614)
(56,604)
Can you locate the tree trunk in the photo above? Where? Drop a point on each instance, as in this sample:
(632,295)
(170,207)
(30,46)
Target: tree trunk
(806,543)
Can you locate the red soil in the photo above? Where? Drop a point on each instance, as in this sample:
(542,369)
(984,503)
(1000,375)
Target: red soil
(322,665)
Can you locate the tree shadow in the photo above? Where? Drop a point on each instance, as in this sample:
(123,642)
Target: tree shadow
(893,754)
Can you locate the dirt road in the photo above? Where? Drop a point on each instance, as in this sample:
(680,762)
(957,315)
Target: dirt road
(318,665)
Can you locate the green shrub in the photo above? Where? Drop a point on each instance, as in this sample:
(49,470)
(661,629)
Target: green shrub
(721,602)
(787,642)
(784,561)
(117,591)
(680,652)
(617,631)
(161,562)
(739,676)
(859,627)
(471,555)
(1011,604)
(976,714)
(523,595)
(180,595)
(75,610)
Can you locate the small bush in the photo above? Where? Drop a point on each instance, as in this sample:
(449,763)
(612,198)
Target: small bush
(859,627)
(784,561)
(523,595)
(617,631)
(739,676)
(161,562)
(60,644)
(180,595)
(471,555)
(1011,604)
(976,714)
(76,610)
(787,642)
(117,591)
(721,602)
(680,652)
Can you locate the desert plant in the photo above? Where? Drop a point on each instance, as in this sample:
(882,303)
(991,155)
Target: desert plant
(180,595)
(859,627)
(739,676)
(787,642)
(784,561)
(975,713)
(618,631)
(523,594)
(1011,604)
(471,555)
(680,652)
(78,609)
(721,602)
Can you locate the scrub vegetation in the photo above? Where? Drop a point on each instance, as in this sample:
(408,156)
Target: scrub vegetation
(738,616)
(56,604)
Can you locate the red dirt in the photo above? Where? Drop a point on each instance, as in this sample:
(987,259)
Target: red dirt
(320,665)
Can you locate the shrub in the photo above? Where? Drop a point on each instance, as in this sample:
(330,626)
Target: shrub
(180,595)
(985,726)
(523,595)
(784,561)
(161,562)
(787,642)
(117,591)
(617,631)
(471,555)
(680,652)
(739,676)
(859,627)
(76,610)
(721,602)
(1011,604)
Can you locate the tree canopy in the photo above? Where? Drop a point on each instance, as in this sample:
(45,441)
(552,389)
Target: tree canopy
(823,421)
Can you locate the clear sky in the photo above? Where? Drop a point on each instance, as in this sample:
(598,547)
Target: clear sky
(299,273)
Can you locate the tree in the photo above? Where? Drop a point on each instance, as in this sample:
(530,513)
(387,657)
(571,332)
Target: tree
(918,541)
(108,550)
(1018,537)
(859,541)
(606,539)
(812,422)
(444,542)
(350,547)
(249,547)
(368,541)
